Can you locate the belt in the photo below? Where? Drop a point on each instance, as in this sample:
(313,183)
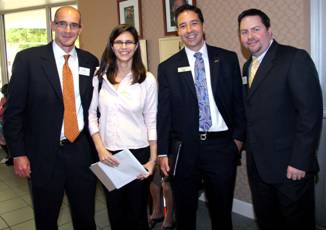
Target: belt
(64,142)
(203,136)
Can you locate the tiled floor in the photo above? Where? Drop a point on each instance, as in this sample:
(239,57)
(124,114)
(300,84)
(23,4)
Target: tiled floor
(16,211)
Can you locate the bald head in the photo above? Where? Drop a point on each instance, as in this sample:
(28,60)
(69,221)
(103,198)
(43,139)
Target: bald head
(67,10)
(67,27)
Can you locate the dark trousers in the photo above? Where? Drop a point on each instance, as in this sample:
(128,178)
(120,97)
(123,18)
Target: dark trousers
(71,175)
(215,170)
(289,205)
(127,206)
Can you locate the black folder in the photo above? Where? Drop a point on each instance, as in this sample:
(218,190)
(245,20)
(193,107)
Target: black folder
(174,151)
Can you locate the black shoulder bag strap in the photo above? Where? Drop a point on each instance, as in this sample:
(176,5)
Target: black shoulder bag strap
(100,82)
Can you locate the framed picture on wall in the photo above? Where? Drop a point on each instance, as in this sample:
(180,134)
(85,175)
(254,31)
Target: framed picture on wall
(169,7)
(129,12)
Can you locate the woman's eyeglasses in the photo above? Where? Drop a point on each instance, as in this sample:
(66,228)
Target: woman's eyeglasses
(120,43)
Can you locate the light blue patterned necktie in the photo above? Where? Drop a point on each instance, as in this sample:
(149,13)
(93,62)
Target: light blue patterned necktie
(205,120)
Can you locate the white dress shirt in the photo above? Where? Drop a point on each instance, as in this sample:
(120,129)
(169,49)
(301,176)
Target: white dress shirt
(261,57)
(74,67)
(218,123)
(128,114)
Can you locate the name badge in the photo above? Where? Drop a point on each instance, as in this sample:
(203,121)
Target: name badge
(184,69)
(84,71)
(244,80)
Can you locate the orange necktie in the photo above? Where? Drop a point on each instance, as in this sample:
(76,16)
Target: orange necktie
(71,130)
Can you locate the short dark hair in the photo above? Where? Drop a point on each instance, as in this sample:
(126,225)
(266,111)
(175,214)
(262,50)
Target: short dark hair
(188,7)
(255,12)
(4,90)
(108,64)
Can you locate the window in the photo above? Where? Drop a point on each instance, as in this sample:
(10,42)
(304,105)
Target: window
(23,30)
(318,43)
(0,76)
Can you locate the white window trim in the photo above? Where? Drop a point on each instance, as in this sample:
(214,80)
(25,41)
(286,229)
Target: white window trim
(318,42)
(3,51)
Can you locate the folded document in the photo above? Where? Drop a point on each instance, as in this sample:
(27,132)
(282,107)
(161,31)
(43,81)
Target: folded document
(128,170)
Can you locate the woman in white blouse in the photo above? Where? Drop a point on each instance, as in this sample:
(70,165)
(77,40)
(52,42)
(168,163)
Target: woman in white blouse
(127,103)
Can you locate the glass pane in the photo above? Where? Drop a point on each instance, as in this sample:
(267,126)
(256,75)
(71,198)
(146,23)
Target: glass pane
(53,10)
(23,30)
(0,75)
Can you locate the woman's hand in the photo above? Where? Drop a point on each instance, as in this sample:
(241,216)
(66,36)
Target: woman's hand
(149,166)
(103,154)
(107,158)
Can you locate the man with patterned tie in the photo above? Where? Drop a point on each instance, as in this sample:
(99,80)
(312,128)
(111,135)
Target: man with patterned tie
(200,104)
(46,121)
(284,114)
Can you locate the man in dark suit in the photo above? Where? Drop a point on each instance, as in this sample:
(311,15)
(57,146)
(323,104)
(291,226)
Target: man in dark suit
(284,113)
(46,122)
(200,104)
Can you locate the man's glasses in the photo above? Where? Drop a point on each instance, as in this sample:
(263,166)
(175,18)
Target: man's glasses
(64,25)
(120,43)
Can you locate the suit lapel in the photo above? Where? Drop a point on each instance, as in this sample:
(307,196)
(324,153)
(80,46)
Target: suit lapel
(245,76)
(264,67)
(186,76)
(214,61)
(214,65)
(50,68)
(83,79)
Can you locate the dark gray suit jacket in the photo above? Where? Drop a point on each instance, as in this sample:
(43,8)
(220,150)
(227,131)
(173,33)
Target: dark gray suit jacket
(178,114)
(34,112)
(284,113)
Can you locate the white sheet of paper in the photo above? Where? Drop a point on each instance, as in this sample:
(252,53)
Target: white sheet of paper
(116,177)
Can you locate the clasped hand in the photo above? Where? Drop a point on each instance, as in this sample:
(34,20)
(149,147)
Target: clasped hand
(109,159)
(295,174)
(22,166)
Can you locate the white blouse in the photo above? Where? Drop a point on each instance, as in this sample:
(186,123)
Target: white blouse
(128,114)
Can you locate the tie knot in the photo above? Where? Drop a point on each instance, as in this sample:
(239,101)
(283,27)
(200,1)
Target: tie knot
(198,55)
(66,57)
(255,61)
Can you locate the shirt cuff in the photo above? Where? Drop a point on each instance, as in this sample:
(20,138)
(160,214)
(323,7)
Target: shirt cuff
(152,136)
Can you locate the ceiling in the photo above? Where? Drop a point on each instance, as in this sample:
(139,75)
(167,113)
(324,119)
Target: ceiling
(13,5)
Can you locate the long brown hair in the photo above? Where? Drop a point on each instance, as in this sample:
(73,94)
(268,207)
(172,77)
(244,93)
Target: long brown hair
(108,63)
